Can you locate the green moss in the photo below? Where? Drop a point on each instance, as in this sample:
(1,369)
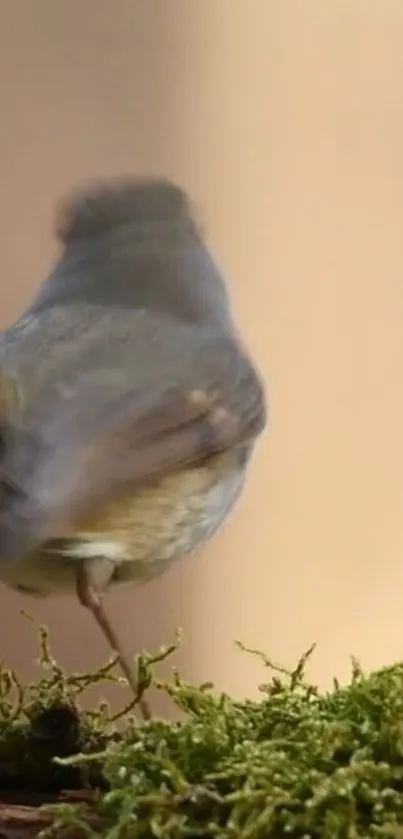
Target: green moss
(299,763)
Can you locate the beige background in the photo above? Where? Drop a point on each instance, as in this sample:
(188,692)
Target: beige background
(285,121)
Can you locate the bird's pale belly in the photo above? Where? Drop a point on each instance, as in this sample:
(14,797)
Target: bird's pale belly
(142,534)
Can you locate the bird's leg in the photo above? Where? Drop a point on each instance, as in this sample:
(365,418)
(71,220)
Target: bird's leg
(92,579)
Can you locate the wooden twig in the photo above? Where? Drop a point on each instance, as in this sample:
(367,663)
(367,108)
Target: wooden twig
(19,821)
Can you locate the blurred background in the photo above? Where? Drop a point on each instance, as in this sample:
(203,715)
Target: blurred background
(284,119)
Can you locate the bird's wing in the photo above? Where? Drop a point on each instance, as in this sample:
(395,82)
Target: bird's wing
(104,440)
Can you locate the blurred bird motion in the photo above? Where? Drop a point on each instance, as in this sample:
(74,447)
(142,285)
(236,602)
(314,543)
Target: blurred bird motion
(129,407)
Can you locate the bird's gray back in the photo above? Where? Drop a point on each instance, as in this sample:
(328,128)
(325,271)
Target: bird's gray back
(64,350)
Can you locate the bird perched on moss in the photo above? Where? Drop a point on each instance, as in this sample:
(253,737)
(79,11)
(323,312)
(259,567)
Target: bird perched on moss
(129,406)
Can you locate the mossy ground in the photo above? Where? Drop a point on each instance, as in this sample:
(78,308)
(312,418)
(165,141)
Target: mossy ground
(299,763)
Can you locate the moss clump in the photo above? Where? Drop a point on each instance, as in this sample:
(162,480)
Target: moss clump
(299,763)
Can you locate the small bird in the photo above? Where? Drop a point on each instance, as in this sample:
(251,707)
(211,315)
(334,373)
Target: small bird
(129,406)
